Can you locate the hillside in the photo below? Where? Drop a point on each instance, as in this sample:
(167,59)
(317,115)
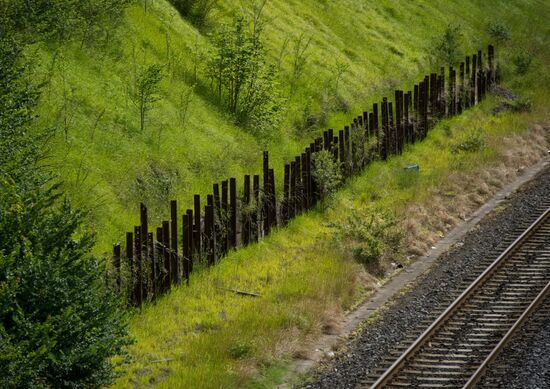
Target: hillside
(331,59)
(324,62)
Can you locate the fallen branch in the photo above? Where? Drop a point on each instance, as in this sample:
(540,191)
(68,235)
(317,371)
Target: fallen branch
(241,292)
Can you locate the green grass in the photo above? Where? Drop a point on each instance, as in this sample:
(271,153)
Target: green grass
(101,154)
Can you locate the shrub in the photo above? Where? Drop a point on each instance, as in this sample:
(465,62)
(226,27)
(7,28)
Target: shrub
(243,80)
(326,173)
(498,31)
(446,48)
(474,141)
(370,235)
(87,20)
(196,11)
(522,62)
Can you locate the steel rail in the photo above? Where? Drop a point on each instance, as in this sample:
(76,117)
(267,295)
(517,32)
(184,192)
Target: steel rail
(386,377)
(498,348)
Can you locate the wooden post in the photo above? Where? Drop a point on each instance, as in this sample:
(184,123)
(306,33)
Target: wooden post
(138,290)
(144,228)
(451,92)
(406,124)
(197,231)
(116,265)
(460,90)
(246,214)
(167,255)
(311,185)
(272,200)
(385,130)
(153,264)
(232,241)
(187,241)
(433,95)
(391,131)
(209,232)
(473,84)
(399,120)
(161,273)
(176,268)
(223,233)
(255,226)
(366,124)
(416,123)
(265,202)
(219,216)
(185,245)
(342,149)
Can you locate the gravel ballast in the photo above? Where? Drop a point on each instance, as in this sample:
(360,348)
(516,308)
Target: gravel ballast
(525,361)
(368,349)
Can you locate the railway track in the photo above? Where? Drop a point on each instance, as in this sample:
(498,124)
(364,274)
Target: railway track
(456,349)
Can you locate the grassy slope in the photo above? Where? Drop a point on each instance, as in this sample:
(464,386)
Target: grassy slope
(100,151)
(204,336)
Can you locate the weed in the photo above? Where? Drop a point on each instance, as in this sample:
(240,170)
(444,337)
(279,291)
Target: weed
(474,141)
(240,350)
(498,31)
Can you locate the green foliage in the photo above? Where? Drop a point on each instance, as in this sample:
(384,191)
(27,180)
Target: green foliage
(240,350)
(369,234)
(447,48)
(196,11)
(147,91)
(244,81)
(498,31)
(59,325)
(87,20)
(326,173)
(522,62)
(474,141)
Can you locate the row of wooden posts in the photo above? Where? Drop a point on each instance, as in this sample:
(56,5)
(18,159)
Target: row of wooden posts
(154,261)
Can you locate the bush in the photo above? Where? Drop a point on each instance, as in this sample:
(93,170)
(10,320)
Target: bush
(475,141)
(196,11)
(447,48)
(326,173)
(522,62)
(87,20)
(370,235)
(498,31)
(243,80)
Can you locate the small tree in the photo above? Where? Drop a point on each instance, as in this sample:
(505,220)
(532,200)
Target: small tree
(147,90)
(242,78)
(446,48)
(326,173)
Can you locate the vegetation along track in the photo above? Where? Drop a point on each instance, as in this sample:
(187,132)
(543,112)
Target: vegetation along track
(456,348)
